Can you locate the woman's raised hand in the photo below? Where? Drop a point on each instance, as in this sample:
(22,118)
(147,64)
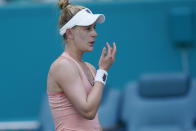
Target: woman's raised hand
(107,57)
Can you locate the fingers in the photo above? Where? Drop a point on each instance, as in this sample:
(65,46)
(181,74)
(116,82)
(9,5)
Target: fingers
(103,53)
(107,56)
(109,49)
(114,49)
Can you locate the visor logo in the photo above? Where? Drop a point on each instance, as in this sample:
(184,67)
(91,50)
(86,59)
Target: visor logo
(88,11)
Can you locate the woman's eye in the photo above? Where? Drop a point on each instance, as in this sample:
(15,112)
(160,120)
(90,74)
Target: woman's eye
(90,28)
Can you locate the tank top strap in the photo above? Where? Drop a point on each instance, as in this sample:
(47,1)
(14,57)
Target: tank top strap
(80,68)
(92,72)
(84,78)
(64,54)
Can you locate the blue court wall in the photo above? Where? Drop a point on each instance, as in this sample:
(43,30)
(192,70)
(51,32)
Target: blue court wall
(30,42)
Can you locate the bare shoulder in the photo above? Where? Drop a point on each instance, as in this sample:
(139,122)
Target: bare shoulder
(63,66)
(91,66)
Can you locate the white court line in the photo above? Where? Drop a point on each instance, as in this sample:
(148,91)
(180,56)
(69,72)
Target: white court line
(22,125)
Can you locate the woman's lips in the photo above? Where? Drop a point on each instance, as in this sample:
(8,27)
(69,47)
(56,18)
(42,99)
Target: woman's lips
(92,43)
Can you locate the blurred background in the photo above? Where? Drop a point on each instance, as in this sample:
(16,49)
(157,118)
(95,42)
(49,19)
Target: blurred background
(151,86)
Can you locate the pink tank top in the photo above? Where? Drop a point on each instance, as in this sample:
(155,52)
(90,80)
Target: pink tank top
(66,118)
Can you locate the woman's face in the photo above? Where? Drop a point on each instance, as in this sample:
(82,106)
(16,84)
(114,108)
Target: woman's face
(84,37)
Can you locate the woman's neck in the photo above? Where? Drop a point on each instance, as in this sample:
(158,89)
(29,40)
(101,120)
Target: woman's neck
(73,52)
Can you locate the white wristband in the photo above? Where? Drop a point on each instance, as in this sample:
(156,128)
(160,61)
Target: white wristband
(101,76)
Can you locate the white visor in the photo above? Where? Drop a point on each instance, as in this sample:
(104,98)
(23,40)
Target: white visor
(83,18)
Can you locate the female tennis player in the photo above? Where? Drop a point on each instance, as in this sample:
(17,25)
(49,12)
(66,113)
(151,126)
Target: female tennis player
(74,87)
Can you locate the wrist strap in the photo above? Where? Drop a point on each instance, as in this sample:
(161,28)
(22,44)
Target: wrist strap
(101,76)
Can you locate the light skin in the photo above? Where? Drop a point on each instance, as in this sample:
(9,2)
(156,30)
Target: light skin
(64,74)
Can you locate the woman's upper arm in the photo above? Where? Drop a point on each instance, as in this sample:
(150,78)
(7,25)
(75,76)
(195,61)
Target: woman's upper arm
(68,77)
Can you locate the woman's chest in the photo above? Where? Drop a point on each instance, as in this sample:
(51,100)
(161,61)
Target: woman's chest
(88,74)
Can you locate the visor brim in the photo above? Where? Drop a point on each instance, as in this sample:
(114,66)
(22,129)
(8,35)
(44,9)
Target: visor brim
(91,19)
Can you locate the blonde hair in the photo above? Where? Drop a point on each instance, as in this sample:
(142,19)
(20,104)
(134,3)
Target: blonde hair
(67,12)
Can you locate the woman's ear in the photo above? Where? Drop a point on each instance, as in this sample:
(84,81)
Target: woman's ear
(69,34)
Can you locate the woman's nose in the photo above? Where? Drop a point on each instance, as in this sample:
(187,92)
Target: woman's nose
(94,33)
